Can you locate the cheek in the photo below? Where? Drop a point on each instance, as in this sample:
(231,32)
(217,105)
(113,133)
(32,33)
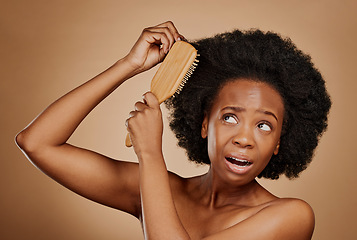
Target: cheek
(211,143)
(215,141)
(267,146)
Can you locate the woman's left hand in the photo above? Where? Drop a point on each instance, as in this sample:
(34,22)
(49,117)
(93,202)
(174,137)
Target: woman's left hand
(145,126)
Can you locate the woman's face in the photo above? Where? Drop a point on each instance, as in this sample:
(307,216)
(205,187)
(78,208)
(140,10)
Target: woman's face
(243,129)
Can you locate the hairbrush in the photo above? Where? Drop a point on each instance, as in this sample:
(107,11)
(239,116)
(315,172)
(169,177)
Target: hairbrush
(173,73)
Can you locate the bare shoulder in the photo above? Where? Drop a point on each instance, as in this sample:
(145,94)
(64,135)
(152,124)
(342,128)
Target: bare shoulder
(292,205)
(283,218)
(294,208)
(295,216)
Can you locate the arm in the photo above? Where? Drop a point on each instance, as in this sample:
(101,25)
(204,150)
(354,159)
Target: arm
(44,141)
(283,219)
(160,219)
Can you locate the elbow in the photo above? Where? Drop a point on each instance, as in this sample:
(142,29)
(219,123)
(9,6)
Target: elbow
(19,140)
(24,142)
(29,147)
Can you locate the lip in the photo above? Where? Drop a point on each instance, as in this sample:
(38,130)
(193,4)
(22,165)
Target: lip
(237,163)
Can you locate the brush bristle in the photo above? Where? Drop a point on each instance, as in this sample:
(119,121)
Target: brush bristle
(187,75)
(174,71)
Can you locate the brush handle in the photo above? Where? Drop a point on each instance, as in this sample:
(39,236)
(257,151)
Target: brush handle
(172,73)
(127,141)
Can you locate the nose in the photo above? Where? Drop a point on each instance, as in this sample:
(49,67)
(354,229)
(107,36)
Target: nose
(244,137)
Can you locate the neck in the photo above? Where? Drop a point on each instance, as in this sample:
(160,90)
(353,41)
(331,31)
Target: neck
(217,193)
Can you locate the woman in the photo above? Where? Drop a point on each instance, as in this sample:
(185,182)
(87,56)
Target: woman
(238,112)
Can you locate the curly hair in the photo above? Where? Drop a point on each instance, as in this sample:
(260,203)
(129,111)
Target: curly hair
(260,56)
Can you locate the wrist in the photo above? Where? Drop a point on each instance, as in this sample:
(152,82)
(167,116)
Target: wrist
(126,67)
(133,66)
(150,156)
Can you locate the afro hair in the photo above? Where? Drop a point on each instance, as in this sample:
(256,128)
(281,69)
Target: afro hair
(260,56)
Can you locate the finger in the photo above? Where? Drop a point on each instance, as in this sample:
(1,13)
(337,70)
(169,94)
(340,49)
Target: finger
(131,115)
(140,106)
(171,26)
(182,38)
(151,100)
(127,123)
(163,36)
(169,36)
(157,37)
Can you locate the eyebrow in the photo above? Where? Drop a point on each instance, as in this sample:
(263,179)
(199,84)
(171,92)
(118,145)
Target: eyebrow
(240,109)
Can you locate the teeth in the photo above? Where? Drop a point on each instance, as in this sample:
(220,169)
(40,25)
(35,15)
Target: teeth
(239,162)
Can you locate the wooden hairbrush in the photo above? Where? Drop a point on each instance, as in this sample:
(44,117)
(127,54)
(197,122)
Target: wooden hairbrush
(173,73)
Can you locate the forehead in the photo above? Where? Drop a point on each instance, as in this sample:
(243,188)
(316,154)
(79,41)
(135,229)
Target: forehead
(249,94)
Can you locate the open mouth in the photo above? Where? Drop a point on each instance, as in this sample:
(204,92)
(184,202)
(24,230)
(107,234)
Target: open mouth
(238,162)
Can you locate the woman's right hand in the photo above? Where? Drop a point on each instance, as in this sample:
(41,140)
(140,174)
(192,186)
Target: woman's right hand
(152,46)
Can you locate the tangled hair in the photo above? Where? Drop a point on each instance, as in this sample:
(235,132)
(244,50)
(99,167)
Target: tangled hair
(260,56)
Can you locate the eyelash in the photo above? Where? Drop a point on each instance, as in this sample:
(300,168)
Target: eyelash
(229,115)
(225,116)
(266,123)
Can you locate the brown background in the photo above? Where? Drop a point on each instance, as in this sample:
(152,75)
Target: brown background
(49,47)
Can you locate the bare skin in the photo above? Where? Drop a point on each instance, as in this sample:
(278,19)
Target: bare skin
(225,203)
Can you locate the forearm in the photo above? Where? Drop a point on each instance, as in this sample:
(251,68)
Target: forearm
(57,123)
(160,218)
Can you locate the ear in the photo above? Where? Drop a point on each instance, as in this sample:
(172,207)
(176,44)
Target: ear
(204,127)
(276,150)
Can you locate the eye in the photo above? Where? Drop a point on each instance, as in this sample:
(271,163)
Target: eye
(265,127)
(229,118)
